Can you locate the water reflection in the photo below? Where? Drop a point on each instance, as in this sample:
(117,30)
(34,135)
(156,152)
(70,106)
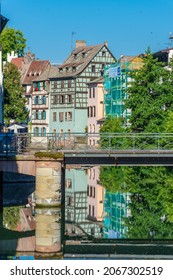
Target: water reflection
(91,210)
(114,203)
(101,205)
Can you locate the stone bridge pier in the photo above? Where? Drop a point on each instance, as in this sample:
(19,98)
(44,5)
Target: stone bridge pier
(48,206)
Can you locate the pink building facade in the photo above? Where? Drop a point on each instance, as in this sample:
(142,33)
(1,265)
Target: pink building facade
(95,109)
(95,196)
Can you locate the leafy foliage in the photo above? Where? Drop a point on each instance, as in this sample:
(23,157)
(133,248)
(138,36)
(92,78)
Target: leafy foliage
(12,40)
(149,217)
(150,96)
(14,102)
(11,217)
(150,188)
(112,125)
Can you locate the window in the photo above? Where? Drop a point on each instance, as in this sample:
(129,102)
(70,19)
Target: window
(36,86)
(43,132)
(44,100)
(27,101)
(44,85)
(54,116)
(103,53)
(93,128)
(62,84)
(36,115)
(36,131)
(68,116)
(69,216)
(91,111)
(87,190)
(93,92)
(93,68)
(55,99)
(69,83)
(93,212)
(89,210)
(61,99)
(94,111)
(60,70)
(75,55)
(61,116)
(36,100)
(90,128)
(91,191)
(73,69)
(69,98)
(43,115)
(90,93)
(69,200)
(55,84)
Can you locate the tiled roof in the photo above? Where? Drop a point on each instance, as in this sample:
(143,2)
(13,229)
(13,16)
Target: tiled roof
(126,58)
(79,58)
(50,70)
(18,61)
(35,69)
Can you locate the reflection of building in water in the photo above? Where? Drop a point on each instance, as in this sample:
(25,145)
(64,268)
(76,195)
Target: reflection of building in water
(77,220)
(115,208)
(75,201)
(95,193)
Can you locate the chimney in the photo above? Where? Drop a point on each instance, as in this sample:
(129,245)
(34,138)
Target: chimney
(106,44)
(80,43)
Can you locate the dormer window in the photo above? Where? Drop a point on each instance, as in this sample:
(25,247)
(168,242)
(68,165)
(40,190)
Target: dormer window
(75,55)
(60,70)
(67,69)
(83,55)
(74,69)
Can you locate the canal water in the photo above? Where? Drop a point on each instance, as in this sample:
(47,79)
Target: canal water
(105,211)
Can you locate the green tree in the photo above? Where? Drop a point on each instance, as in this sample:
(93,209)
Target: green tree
(149,217)
(112,126)
(150,99)
(14,102)
(12,40)
(150,96)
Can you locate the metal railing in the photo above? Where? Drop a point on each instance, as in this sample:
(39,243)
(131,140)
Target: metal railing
(28,143)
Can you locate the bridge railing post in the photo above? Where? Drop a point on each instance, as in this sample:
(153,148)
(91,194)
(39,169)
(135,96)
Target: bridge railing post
(133,141)
(158,141)
(6,144)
